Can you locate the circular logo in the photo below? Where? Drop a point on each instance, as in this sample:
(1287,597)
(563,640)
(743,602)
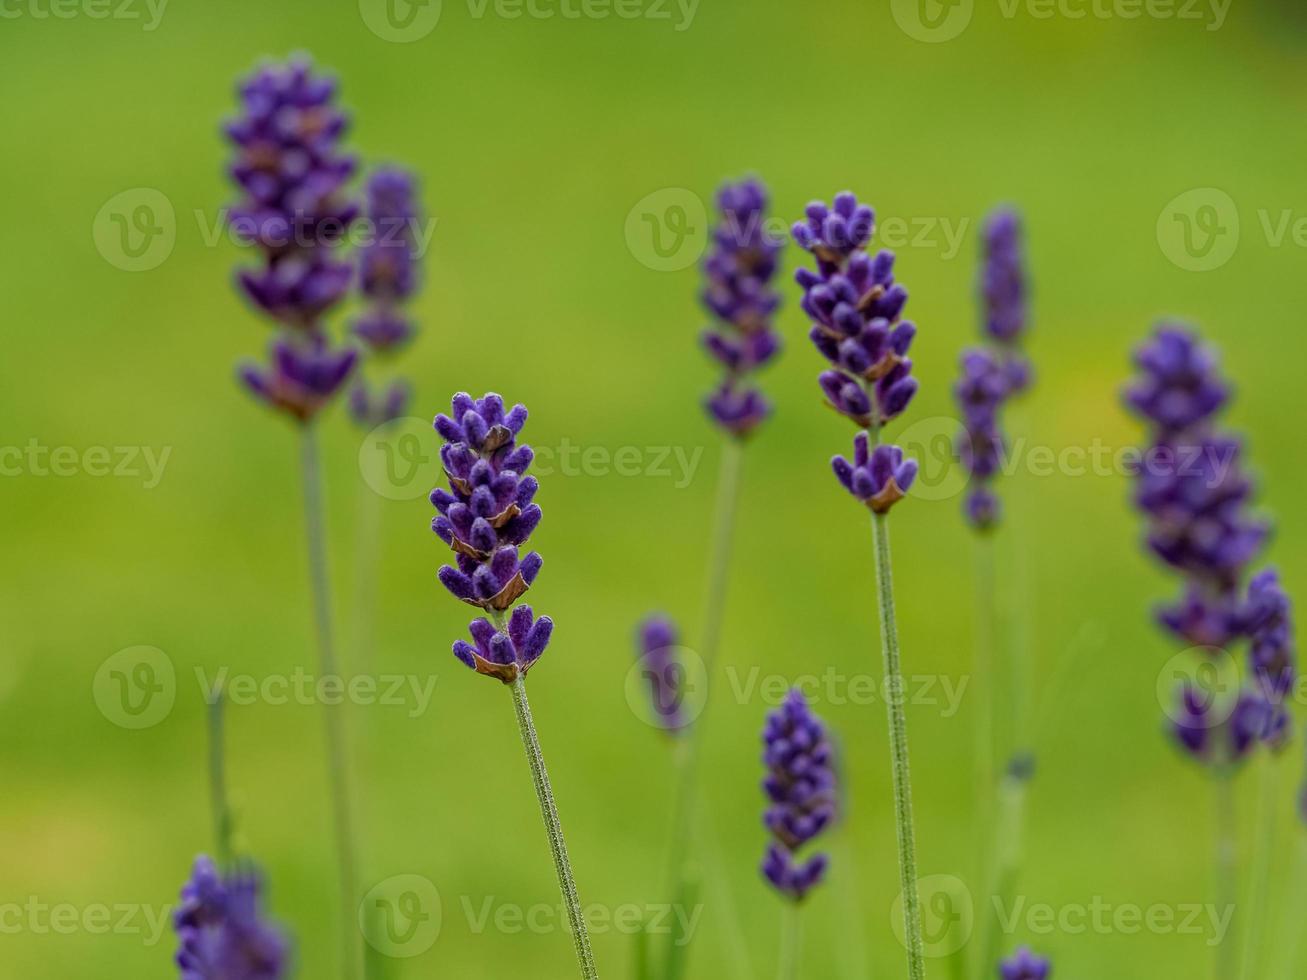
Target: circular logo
(669,690)
(1210,676)
(948,915)
(400,459)
(668,229)
(401,916)
(400,21)
(136,230)
(136,687)
(932,21)
(932,443)
(1199,230)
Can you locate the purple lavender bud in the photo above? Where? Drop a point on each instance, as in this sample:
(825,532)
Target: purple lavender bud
(388,263)
(369,408)
(221,931)
(800,788)
(508,654)
(1003,279)
(879,477)
(855,307)
(1179,387)
(981,392)
(303,376)
(1215,732)
(1274,663)
(289,165)
(1204,619)
(1024,965)
(656,643)
(738,294)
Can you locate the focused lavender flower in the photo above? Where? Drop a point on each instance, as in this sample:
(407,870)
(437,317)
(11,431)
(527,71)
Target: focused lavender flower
(388,262)
(1024,965)
(509,653)
(981,391)
(879,477)
(221,930)
(739,270)
(855,307)
(1003,291)
(292,171)
(800,786)
(303,375)
(656,649)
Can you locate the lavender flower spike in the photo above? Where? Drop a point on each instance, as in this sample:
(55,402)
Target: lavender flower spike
(656,643)
(739,295)
(303,376)
(1025,965)
(388,266)
(1003,293)
(221,930)
(508,654)
(855,307)
(800,786)
(981,392)
(879,477)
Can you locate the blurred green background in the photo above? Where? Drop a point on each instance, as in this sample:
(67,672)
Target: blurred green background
(535,140)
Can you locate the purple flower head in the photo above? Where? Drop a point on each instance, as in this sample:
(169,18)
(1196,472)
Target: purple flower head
(739,295)
(1003,279)
(221,931)
(388,262)
(879,477)
(487,513)
(1204,618)
(800,788)
(1214,731)
(981,392)
(1024,965)
(656,643)
(1178,387)
(370,408)
(506,654)
(303,375)
(855,308)
(1271,655)
(292,173)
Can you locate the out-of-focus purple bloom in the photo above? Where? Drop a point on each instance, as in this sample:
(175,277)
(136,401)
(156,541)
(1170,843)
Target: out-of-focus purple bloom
(739,270)
(1213,730)
(510,653)
(1271,654)
(293,174)
(1024,965)
(879,477)
(981,391)
(1178,386)
(656,649)
(800,787)
(388,262)
(1204,618)
(221,930)
(855,307)
(371,407)
(302,376)
(1003,291)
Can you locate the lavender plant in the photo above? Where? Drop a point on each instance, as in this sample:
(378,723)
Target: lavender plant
(485,517)
(800,789)
(656,643)
(221,929)
(292,173)
(1195,496)
(1025,965)
(856,309)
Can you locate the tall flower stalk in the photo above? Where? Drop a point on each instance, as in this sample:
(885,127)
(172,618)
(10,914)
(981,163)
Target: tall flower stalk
(856,310)
(1196,498)
(292,173)
(488,513)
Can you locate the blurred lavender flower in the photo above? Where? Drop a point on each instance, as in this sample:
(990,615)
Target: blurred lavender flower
(739,295)
(1271,654)
(221,931)
(1179,387)
(855,307)
(879,477)
(656,649)
(304,374)
(388,263)
(1003,291)
(801,788)
(1025,965)
(981,391)
(1220,731)
(373,407)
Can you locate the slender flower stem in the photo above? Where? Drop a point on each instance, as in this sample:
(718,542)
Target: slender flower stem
(549,810)
(898,735)
(1227,876)
(791,941)
(1295,908)
(983,690)
(367,553)
(1260,883)
(334,715)
(222,817)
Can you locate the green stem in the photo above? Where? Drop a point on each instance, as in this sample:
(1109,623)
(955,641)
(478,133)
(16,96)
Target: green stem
(334,715)
(1227,875)
(1295,910)
(222,818)
(554,829)
(1260,883)
(791,941)
(983,691)
(898,736)
(366,559)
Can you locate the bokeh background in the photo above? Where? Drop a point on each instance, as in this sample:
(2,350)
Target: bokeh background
(537,140)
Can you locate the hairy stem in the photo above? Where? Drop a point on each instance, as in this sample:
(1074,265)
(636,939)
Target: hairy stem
(791,941)
(334,715)
(898,736)
(554,830)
